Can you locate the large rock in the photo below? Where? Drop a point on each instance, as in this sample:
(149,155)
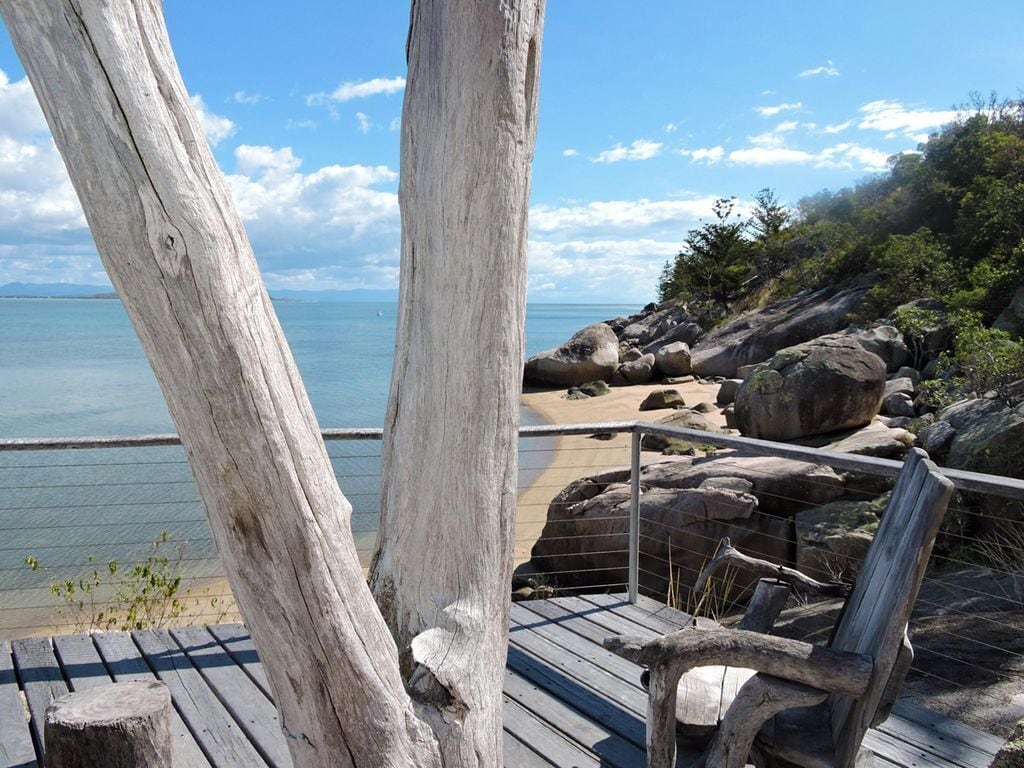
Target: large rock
(886,342)
(822,386)
(683,418)
(592,353)
(758,335)
(662,398)
(638,371)
(1011,319)
(831,540)
(876,439)
(685,508)
(673,359)
(687,332)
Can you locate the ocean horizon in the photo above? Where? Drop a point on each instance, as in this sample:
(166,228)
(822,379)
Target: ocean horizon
(74,368)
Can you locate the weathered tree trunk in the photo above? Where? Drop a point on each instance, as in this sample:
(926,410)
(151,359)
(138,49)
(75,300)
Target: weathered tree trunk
(169,236)
(443,566)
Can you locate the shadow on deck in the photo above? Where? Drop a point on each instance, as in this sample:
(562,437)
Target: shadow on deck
(568,702)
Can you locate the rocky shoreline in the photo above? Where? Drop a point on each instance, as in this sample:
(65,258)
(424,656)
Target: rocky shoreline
(796,371)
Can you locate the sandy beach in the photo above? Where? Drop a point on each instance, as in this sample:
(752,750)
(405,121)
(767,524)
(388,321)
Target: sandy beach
(575,456)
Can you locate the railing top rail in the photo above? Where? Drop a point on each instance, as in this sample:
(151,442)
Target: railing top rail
(996,485)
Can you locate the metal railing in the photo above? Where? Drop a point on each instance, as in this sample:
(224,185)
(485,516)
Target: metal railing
(64,499)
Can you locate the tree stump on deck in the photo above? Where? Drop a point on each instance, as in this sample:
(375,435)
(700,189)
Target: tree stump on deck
(122,725)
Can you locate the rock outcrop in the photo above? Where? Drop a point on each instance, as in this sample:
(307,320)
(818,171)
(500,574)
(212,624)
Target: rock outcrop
(591,354)
(673,359)
(756,336)
(822,386)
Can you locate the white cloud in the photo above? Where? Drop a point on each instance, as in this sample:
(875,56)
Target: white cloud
(618,216)
(853,156)
(335,216)
(708,155)
(787,126)
(828,70)
(570,152)
(364,122)
(769,155)
(641,149)
(671,128)
(300,124)
(776,109)
(358,90)
(395,124)
(216,127)
(244,97)
(837,127)
(846,155)
(892,116)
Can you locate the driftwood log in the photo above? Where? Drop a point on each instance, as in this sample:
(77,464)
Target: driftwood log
(802,584)
(122,725)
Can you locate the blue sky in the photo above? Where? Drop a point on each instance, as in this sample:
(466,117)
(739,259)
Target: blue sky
(648,112)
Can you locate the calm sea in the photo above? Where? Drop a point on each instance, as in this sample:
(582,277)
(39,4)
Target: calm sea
(73,367)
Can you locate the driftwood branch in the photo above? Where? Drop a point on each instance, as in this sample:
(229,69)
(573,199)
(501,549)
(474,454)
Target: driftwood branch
(760,698)
(765,605)
(801,583)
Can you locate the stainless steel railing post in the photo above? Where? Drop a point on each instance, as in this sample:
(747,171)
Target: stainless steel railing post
(634,515)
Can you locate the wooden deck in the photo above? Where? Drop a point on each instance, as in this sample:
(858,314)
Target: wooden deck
(568,702)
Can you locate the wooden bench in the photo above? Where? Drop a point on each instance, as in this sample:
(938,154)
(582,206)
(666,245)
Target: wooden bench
(803,704)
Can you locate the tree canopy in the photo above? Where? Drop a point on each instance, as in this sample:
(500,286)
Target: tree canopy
(946,222)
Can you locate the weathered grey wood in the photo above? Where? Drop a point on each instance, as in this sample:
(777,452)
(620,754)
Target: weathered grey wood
(522,621)
(515,753)
(83,668)
(884,595)
(671,656)
(621,719)
(610,748)
(555,747)
(621,608)
(765,605)
(16,750)
(252,710)
(124,661)
(727,555)
(41,680)
(941,727)
(758,700)
(967,748)
(118,725)
(817,666)
(237,642)
(444,557)
(214,728)
(174,247)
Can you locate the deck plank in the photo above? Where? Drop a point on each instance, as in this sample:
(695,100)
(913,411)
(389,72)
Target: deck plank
(41,680)
(220,737)
(239,645)
(252,710)
(531,730)
(81,662)
(613,750)
(568,702)
(125,663)
(16,749)
(526,620)
(516,754)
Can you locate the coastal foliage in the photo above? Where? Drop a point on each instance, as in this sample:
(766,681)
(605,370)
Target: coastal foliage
(945,222)
(150,594)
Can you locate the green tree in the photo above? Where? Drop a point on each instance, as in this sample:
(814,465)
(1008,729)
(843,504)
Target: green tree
(768,222)
(713,264)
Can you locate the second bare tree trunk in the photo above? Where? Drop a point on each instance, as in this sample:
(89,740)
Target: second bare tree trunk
(443,567)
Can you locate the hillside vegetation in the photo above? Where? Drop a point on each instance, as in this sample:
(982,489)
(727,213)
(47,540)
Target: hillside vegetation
(944,224)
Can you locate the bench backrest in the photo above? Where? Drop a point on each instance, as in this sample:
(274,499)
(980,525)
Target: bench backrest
(884,594)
